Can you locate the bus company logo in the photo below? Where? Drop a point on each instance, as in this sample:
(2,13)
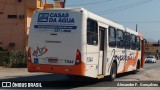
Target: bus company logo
(56,18)
(39,51)
(43,17)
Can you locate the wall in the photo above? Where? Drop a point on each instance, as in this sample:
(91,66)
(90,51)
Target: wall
(152,47)
(14,30)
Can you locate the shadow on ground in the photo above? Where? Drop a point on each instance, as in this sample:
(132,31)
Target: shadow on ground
(58,81)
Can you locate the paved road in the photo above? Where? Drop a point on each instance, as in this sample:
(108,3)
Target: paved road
(150,72)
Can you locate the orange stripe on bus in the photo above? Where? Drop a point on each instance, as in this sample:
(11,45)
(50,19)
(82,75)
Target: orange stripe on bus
(130,62)
(58,69)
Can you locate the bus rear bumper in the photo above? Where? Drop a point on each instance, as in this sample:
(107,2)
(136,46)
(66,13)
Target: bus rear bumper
(57,69)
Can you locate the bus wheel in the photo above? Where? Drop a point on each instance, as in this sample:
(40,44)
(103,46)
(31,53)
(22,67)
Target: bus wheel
(113,72)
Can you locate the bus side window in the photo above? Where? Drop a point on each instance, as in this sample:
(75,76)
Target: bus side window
(119,39)
(133,42)
(92,32)
(127,40)
(112,37)
(138,43)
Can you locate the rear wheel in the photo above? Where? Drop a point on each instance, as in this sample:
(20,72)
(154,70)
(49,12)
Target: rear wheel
(113,72)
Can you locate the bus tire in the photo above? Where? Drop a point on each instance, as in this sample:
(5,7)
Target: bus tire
(113,72)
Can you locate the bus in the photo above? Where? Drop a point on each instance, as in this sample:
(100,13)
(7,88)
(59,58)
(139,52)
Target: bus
(79,43)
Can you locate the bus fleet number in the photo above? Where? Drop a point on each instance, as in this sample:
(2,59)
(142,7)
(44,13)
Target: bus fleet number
(69,61)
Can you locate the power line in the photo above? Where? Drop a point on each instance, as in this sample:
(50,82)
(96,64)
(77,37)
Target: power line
(139,22)
(121,8)
(91,3)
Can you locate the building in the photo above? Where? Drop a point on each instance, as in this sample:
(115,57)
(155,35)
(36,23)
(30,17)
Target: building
(152,48)
(15,18)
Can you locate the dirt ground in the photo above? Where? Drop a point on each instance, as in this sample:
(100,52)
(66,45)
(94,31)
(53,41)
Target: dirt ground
(15,72)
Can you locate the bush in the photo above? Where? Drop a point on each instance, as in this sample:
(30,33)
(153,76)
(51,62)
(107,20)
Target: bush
(13,58)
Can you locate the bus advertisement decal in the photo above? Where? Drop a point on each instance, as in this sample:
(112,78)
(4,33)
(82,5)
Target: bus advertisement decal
(58,22)
(130,59)
(39,51)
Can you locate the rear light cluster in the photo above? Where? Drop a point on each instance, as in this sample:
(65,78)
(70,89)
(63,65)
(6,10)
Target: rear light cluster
(78,57)
(29,54)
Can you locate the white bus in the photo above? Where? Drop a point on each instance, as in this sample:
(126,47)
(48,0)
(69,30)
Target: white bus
(78,42)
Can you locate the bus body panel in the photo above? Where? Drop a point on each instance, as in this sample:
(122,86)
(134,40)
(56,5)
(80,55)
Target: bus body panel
(51,40)
(57,69)
(92,61)
(54,38)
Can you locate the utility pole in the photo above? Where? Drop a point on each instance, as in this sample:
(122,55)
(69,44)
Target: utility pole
(136,27)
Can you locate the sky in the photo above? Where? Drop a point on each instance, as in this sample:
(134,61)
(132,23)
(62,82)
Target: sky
(144,13)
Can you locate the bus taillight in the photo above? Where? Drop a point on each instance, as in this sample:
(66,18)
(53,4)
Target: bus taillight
(29,54)
(78,57)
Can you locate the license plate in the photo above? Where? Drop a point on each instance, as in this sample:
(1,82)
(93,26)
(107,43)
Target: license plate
(52,60)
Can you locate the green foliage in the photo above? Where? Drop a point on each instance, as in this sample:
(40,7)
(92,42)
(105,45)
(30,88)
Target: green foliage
(13,58)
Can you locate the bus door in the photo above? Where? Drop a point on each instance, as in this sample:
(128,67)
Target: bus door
(102,48)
